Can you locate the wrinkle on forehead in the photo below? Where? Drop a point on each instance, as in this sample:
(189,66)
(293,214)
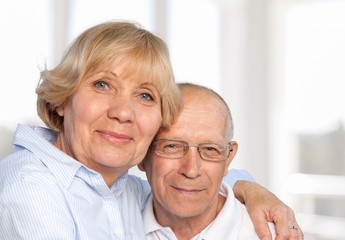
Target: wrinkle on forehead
(199,103)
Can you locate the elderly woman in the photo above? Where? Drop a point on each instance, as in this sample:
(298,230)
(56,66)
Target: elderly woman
(103,104)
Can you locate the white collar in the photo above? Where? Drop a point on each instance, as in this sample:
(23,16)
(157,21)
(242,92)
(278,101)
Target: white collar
(229,219)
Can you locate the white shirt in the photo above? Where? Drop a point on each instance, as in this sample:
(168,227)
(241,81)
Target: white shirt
(232,222)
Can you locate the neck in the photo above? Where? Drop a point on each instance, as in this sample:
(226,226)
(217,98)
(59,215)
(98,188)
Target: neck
(186,228)
(109,174)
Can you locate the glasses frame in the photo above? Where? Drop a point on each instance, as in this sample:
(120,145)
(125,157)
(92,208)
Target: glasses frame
(227,149)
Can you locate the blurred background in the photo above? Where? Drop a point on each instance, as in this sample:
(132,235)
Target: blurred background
(280,65)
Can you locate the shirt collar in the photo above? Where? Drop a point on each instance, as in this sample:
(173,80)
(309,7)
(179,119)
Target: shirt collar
(227,223)
(229,220)
(150,221)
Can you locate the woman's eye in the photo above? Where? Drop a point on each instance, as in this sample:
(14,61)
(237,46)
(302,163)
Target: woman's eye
(146,97)
(101,85)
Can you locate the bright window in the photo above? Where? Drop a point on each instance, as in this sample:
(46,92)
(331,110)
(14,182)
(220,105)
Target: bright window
(194,41)
(24,48)
(315,114)
(86,13)
(315,60)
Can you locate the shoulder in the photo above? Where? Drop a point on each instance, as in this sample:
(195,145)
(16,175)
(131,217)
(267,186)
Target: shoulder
(246,229)
(24,178)
(140,188)
(27,204)
(29,194)
(137,184)
(20,166)
(24,160)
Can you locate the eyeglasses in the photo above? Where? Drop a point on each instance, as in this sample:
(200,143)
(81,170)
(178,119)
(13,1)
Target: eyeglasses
(177,149)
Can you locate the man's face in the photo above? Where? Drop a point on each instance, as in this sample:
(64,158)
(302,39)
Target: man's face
(188,187)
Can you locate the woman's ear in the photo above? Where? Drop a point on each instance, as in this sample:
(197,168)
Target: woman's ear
(141,165)
(233,150)
(60,111)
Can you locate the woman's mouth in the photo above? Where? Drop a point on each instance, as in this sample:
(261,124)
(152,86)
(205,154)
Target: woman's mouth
(114,137)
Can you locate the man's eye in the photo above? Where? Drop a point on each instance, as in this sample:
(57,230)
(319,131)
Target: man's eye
(146,97)
(211,150)
(101,85)
(171,146)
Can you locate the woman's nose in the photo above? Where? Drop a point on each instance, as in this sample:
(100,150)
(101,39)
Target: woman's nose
(121,108)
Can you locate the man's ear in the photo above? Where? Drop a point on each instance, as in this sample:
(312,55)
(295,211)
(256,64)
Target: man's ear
(233,150)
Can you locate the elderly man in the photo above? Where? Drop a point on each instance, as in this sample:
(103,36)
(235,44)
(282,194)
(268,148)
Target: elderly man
(189,161)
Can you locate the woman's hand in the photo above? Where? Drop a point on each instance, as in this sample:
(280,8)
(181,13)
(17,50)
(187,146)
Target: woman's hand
(263,206)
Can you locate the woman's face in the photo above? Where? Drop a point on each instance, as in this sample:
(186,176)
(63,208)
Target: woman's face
(110,121)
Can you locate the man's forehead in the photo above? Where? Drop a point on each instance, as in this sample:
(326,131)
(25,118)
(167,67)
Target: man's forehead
(198,117)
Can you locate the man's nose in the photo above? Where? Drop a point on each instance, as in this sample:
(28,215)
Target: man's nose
(191,163)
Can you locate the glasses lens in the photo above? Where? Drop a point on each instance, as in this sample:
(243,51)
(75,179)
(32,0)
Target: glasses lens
(171,148)
(212,152)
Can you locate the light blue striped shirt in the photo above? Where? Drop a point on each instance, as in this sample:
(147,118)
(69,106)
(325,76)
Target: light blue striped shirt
(45,194)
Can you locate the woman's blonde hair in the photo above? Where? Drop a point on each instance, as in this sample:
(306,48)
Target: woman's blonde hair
(98,48)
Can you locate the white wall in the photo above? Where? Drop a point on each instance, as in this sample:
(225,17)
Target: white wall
(246,63)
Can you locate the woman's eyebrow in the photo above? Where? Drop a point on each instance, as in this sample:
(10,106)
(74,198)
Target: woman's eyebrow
(106,73)
(112,73)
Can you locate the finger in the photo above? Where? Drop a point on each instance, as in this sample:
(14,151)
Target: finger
(261,227)
(282,230)
(296,232)
(263,232)
(282,222)
(300,234)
